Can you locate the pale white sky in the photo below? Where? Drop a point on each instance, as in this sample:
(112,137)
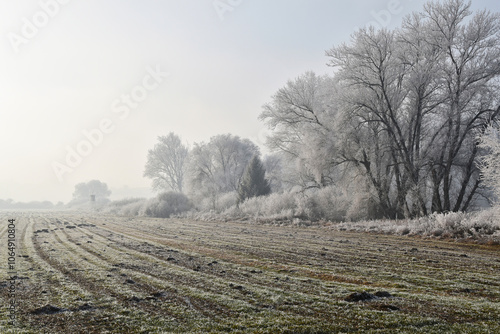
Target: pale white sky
(68,65)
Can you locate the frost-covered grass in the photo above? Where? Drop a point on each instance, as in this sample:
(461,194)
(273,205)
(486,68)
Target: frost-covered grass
(176,275)
(482,225)
(321,207)
(328,206)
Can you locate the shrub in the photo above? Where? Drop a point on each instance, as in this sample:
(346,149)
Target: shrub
(322,204)
(127,207)
(167,204)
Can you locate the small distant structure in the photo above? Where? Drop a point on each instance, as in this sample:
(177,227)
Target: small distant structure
(92,203)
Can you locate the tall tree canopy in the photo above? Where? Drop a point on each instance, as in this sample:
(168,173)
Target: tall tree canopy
(166,163)
(402,111)
(216,167)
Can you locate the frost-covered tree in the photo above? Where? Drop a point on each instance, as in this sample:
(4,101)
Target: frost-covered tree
(273,164)
(300,116)
(469,69)
(490,162)
(401,113)
(253,182)
(166,163)
(84,190)
(216,167)
(413,100)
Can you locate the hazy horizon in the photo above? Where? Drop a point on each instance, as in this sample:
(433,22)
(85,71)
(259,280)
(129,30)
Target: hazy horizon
(138,70)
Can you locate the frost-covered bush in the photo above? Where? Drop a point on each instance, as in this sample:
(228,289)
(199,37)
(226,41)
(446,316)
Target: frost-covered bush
(322,204)
(457,225)
(318,204)
(167,204)
(486,222)
(226,201)
(217,203)
(134,209)
(127,207)
(277,206)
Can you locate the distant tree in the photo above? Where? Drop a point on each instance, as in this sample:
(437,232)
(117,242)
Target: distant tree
(166,162)
(253,183)
(216,167)
(95,187)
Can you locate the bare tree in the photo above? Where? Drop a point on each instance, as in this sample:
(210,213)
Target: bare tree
(216,167)
(413,99)
(403,109)
(166,162)
(470,67)
(300,115)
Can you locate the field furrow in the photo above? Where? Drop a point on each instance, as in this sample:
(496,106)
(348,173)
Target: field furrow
(138,275)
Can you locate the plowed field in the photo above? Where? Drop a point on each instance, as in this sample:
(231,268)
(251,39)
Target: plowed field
(80,273)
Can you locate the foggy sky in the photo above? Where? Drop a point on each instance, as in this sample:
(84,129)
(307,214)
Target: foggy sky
(138,69)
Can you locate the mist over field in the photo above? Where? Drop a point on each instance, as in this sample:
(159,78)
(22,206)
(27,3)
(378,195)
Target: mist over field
(250,167)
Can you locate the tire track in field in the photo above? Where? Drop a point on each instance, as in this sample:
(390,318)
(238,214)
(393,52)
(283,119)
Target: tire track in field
(413,269)
(302,258)
(37,278)
(43,273)
(256,291)
(189,303)
(51,265)
(94,287)
(246,246)
(163,278)
(271,261)
(72,252)
(282,287)
(100,318)
(146,248)
(252,286)
(339,266)
(407,276)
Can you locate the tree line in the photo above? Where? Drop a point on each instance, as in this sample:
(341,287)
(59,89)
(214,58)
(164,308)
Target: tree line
(401,125)
(226,164)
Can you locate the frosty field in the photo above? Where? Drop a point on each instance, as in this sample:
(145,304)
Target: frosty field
(108,274)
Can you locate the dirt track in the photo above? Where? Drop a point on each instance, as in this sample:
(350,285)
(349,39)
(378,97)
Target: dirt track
(97,274)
